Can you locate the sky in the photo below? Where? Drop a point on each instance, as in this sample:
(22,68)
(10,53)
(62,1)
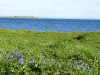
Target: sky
(51,8)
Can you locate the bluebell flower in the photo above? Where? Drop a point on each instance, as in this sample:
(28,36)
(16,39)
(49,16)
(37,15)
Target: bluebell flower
(75,61)
(16,54)
(90,69)
(30,60)
(21,57)
(10,57)
(21,61)
(79,61)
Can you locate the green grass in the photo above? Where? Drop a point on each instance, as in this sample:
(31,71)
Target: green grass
(53,53)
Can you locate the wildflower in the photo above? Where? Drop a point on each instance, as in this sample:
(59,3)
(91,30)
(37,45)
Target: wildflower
(79,61)
(16,54)
(10,57)
(21,57)
(75,61)
(30,60)
(90,69)
(21,61)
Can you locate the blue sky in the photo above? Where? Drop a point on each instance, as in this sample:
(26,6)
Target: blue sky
(51,8)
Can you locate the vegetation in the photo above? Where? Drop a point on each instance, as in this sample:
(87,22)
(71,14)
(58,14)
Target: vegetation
(24,52)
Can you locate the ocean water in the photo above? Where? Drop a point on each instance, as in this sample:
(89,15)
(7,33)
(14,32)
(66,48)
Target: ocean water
(58,25)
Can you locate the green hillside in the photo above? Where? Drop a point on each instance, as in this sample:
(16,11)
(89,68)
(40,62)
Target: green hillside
(24,52)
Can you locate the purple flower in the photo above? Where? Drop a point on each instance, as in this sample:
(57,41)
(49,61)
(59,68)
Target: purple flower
(75,61)
(90,69)
(21,61)
(79,61)
(30,60)
(10,57)
(16,54)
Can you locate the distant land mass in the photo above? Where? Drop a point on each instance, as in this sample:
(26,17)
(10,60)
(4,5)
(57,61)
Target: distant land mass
(19,17)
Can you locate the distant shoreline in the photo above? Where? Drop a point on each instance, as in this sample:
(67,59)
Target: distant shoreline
(19,17)
(36,17)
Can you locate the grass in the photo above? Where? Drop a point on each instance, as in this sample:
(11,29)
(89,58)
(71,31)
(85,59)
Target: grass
(24,52)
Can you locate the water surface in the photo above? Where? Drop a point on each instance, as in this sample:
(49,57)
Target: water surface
(59,25)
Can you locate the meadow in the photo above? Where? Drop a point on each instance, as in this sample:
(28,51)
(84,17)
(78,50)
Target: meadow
(24,52)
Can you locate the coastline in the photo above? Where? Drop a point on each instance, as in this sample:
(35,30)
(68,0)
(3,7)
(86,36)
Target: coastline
(19,17)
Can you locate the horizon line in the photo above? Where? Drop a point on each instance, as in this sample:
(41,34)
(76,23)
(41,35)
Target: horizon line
(45,17)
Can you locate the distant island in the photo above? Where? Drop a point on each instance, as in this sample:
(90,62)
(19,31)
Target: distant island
(19,17)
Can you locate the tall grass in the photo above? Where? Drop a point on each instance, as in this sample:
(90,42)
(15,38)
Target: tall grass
(24,52)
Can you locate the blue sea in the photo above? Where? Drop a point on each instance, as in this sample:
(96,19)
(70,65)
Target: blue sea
(58,25)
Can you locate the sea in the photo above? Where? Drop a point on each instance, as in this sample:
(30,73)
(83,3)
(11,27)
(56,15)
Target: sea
(55,25)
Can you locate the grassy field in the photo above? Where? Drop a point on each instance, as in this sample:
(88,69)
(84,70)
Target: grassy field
(24,52)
